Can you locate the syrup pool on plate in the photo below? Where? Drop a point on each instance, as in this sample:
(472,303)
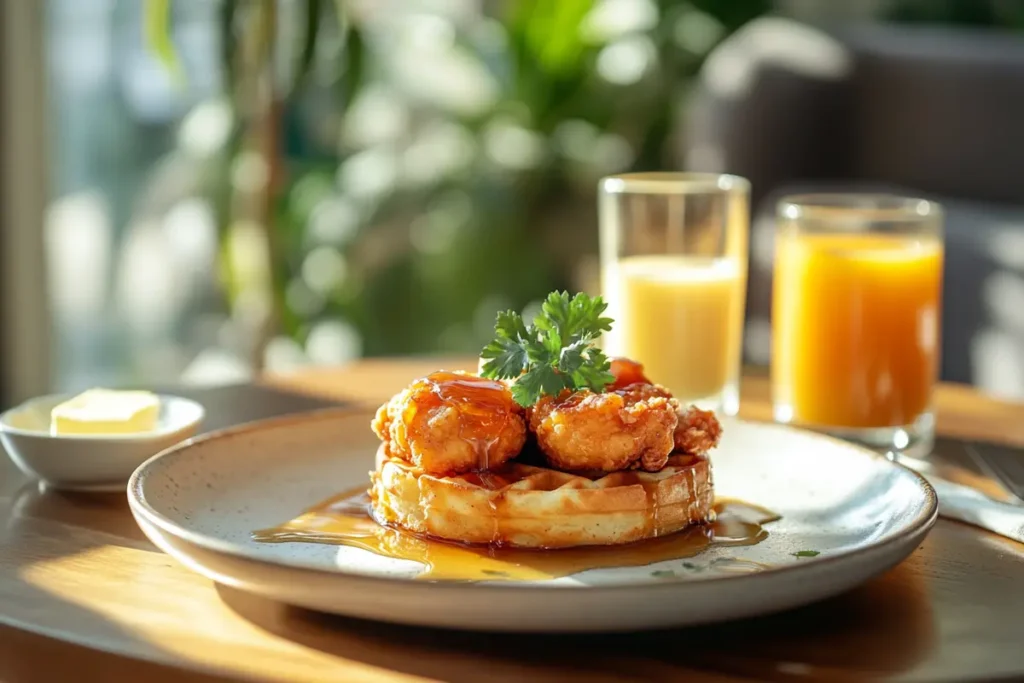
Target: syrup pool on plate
(345,520)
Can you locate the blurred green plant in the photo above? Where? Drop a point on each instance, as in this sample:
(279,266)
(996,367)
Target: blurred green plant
(396,172)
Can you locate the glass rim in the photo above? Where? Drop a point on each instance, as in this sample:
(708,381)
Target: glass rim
(673,182)
(872,206)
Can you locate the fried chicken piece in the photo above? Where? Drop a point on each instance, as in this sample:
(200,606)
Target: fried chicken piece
(627,428)
(449,423)
(698,431)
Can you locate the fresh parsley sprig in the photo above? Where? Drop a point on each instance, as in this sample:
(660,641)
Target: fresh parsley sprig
(554,353)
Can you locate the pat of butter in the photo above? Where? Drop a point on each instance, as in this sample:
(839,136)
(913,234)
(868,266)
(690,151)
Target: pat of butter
(106,411)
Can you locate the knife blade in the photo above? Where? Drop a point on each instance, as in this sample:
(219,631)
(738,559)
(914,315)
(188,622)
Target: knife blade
(968,505)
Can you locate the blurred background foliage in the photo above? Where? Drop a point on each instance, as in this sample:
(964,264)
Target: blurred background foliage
(400,171)
(387,174)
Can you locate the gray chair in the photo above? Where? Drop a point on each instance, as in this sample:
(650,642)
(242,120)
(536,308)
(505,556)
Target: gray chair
(932,112)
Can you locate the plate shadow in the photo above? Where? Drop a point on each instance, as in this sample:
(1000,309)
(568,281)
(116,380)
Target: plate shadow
(882,628)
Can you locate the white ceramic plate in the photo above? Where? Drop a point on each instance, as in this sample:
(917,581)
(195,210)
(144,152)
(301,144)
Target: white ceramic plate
(201,501)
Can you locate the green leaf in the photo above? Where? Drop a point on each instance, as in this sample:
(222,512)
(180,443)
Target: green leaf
(505,359)
(587,364)
(566,321)
(553,354)
(663,573)
(157,28)
(595,380)
(585,321)
(572,357)
(510,324)
(806,553)
(594,373)
(540,380)
(554,312)
(550,33)
(557,317)
(507,356)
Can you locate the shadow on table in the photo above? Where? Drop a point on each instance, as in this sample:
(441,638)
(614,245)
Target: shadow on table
(38,623)
(882,628)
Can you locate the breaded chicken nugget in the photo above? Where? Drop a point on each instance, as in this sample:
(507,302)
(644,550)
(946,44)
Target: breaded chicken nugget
(448,423)
(698,430)
(627,428)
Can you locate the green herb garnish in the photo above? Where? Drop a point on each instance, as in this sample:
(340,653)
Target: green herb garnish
(806,553)
(663,573)
(691,566)
(554,353)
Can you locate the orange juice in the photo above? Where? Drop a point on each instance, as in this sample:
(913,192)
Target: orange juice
(682,318)
(855,328)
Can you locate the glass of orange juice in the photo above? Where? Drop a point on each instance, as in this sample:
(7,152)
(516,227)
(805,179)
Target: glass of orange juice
(674,274)
(857,295)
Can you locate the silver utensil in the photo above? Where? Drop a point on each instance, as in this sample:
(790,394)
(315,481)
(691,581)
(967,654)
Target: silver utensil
(966,504)
(1005,466)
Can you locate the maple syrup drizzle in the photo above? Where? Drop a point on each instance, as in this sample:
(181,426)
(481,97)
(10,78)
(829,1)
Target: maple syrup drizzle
(484,406)
(345,520)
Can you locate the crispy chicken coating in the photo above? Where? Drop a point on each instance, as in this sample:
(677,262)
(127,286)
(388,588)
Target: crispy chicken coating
(623,429)
(698,430)
(449,423)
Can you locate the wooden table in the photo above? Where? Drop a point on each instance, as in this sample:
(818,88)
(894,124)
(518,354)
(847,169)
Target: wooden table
(84,596)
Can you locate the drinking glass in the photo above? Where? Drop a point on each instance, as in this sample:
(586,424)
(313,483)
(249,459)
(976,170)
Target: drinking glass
(855,317)
(674,274)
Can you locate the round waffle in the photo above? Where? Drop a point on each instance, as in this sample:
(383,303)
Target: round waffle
(536,507)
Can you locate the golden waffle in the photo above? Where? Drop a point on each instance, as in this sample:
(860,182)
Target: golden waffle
(537,507)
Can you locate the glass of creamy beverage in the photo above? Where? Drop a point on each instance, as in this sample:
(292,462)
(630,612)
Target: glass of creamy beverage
(674,251)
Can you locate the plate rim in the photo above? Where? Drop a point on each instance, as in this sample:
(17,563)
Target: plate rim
(919,526)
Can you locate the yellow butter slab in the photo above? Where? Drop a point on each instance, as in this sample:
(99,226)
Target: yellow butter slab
(106,411)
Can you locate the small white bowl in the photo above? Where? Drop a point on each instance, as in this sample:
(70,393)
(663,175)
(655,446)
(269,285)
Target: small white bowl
(90,462)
